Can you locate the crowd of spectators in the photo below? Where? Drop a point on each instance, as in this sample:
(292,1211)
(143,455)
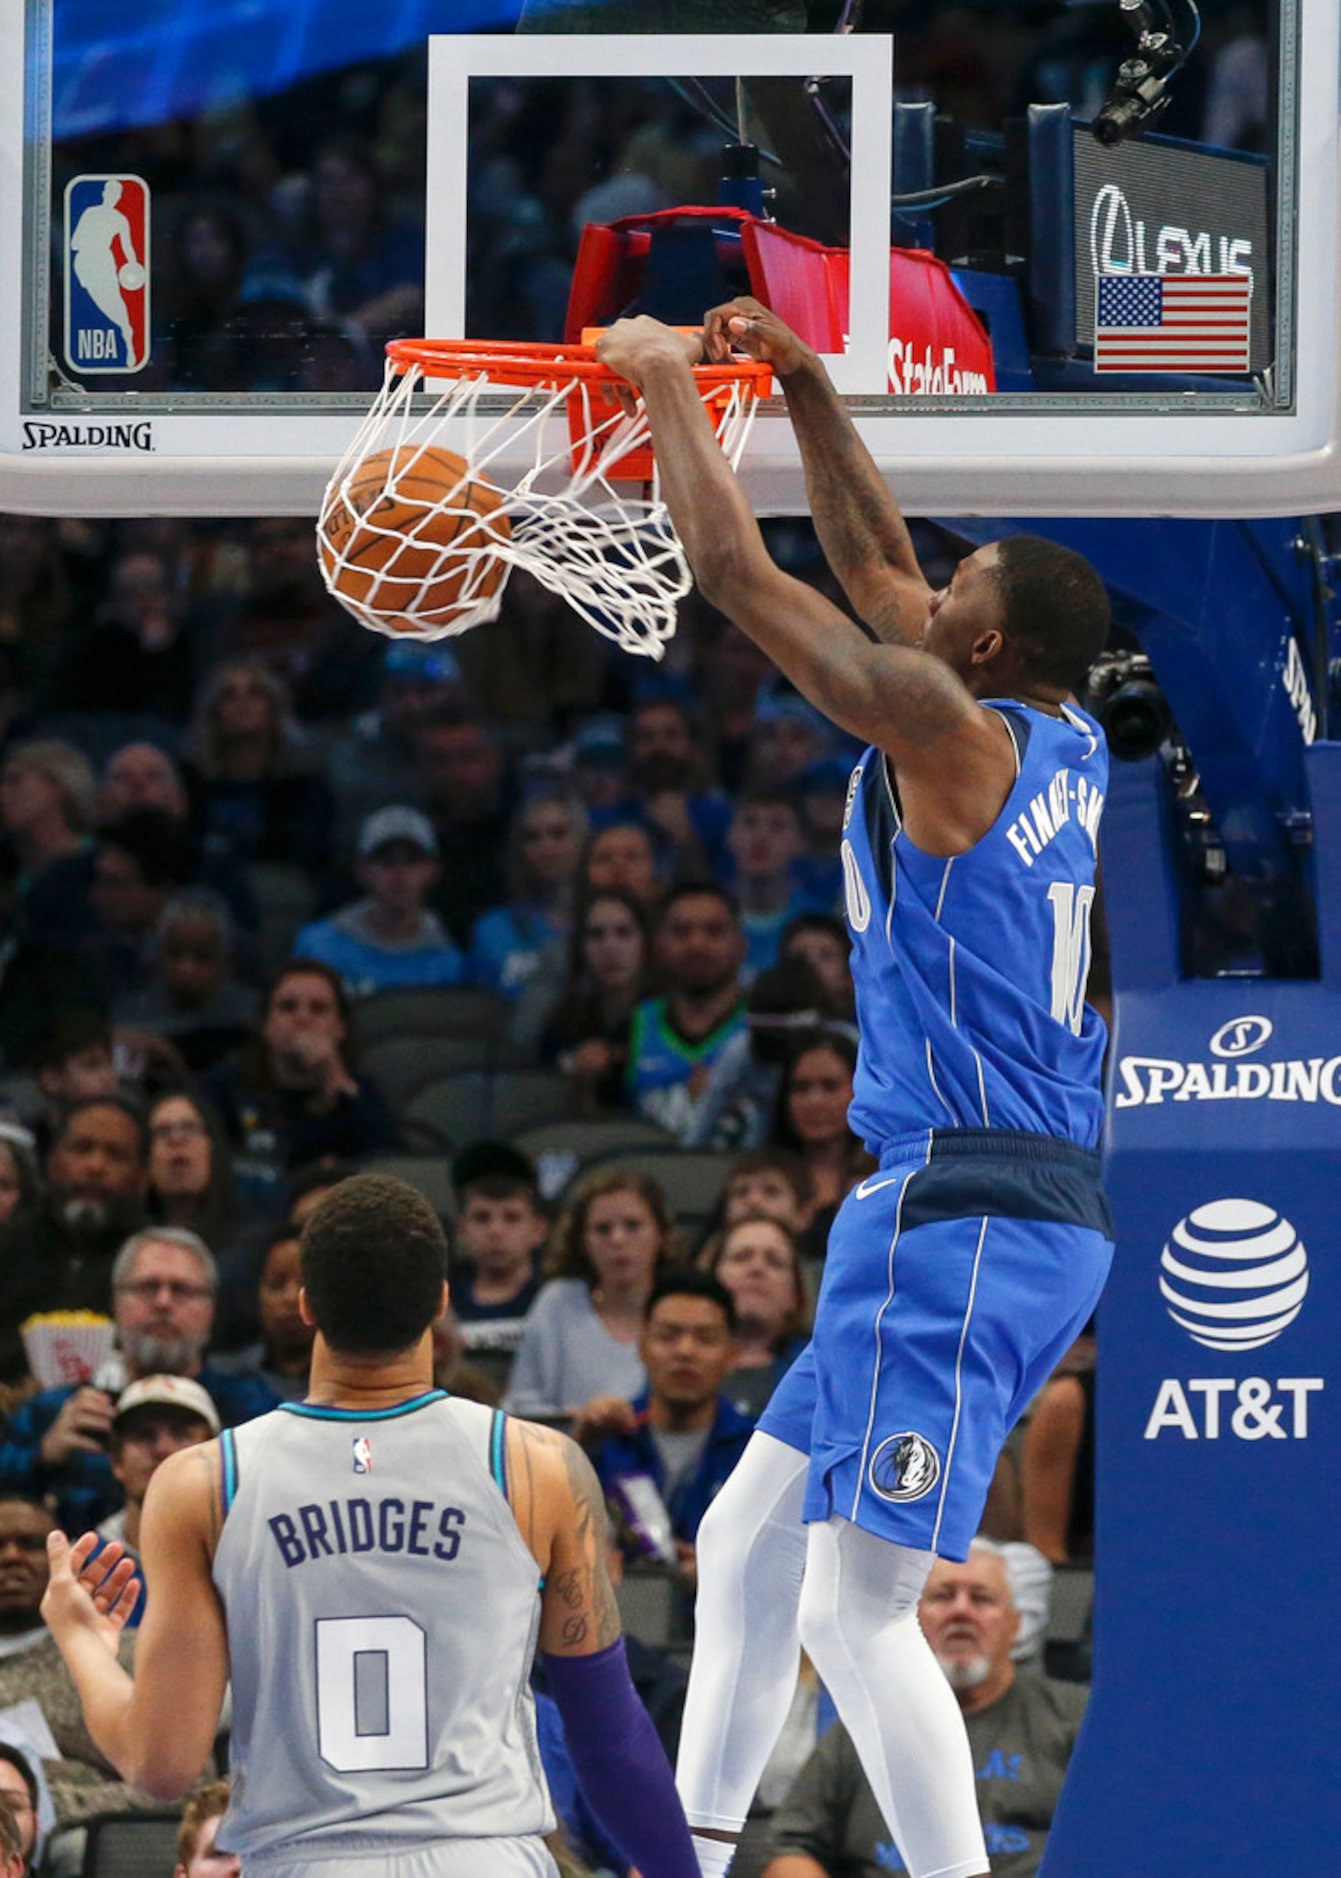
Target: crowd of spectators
(626,884)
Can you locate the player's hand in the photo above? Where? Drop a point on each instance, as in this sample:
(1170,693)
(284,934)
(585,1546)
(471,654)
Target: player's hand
(87,1593)
(81,1427)
(634,347)
(746,325)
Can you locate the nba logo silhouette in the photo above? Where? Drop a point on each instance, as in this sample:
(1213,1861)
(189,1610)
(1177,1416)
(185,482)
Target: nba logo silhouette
(106,274)
(362,1455)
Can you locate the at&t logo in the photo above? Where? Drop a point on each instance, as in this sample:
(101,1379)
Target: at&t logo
(1234,1275)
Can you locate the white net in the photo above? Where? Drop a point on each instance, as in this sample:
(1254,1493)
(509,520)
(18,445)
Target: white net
(433,504)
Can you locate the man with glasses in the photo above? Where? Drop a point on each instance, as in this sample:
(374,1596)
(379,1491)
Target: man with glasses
(163,1288)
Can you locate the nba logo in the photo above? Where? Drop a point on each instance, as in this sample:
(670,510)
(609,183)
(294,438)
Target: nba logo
(362,1455)
(107,274)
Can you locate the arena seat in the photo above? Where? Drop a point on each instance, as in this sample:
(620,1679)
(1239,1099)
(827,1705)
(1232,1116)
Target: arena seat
(429,1174)
(446,1010)
(285,900)
(402,1066)
(691,1179)
(131,1845)
(652,1604)
(472,1105)
(561,1150)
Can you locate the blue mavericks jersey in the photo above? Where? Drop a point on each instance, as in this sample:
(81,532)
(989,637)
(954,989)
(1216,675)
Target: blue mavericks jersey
(971,970)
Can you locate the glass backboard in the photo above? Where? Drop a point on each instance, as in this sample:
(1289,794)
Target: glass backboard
(220,212)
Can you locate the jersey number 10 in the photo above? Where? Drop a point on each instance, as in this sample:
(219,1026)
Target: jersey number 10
(1070,951)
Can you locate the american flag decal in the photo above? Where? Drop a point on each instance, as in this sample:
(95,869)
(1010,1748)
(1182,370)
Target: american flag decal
(1172,322)
(362,1455)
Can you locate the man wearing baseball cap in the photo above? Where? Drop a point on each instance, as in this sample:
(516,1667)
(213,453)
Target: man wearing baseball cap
(154,1416)
(389,937)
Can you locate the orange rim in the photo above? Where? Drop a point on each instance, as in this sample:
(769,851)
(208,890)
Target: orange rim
(518,362)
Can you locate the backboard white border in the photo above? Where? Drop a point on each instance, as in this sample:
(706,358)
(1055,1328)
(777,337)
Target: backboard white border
(1212,464)
(454,60)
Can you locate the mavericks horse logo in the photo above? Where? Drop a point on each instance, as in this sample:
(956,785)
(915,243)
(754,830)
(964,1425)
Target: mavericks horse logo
(905,1467)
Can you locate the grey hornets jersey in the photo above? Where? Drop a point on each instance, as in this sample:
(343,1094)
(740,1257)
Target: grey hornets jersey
(382,1612)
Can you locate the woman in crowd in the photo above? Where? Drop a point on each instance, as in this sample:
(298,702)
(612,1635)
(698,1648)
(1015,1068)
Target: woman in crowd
(613,1240)
(609,972)
(191,1171)
(248,776)
(758,1261)
(545,845)
(811,1118)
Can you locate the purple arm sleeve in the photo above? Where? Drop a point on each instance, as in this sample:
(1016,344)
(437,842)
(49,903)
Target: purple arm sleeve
(620,1763)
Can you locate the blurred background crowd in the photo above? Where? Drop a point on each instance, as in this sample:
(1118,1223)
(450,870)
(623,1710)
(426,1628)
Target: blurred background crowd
(553,933)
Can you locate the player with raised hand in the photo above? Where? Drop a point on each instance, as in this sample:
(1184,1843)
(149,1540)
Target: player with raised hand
(370,1569)
(961,1269)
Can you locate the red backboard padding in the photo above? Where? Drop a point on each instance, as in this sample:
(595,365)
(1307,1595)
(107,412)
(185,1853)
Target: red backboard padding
(937,343)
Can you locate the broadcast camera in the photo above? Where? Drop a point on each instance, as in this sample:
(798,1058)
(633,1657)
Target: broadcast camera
(1122,693)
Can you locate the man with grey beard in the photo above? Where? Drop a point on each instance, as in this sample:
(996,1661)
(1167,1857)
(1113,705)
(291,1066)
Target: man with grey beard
(1021,1729)
(163,1283)
(97,1171)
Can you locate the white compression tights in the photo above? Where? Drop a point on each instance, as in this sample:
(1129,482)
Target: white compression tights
(751,1559)
(858,1620)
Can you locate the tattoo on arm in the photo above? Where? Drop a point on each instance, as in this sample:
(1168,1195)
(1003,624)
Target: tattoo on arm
(584,1587)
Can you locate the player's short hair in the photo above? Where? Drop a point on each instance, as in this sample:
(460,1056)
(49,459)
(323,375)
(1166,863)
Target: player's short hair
(210,1802)
(1055,608)
(687,1281)
(374,1258)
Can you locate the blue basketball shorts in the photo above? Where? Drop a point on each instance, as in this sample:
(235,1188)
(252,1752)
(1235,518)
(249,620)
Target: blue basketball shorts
(957,1276)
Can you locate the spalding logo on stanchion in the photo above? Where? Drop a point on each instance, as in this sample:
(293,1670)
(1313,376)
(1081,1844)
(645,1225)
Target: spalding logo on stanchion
(1234,1274)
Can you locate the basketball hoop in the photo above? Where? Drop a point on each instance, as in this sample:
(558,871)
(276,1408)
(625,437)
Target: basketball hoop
(582,513)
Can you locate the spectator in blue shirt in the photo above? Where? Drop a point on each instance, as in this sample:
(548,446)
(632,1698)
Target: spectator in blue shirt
(681,1432)
(546,842)
(163,1285)
(389,937)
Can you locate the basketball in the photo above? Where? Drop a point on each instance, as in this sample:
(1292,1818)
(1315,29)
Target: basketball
(131,276)
(409,536)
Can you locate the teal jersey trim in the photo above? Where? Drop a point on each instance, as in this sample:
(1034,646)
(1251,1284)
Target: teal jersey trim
(228,1464)
(498,1465)
(316,1412)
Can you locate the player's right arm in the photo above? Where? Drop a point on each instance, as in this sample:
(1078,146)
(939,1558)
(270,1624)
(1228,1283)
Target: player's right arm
(617,1754)
(158,1727)
(860,527)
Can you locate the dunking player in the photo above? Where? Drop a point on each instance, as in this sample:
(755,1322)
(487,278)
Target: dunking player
(366,1563)
(959,1271)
